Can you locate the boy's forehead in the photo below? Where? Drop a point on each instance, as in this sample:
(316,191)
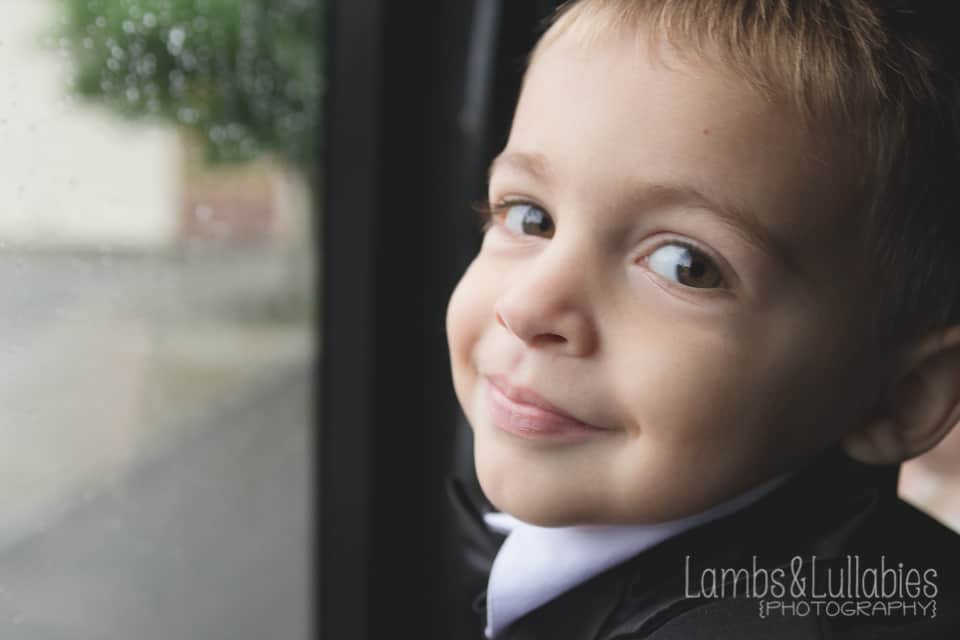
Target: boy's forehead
(620,83)
(608,117)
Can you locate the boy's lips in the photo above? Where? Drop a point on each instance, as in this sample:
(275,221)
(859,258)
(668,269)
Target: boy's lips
(523,412)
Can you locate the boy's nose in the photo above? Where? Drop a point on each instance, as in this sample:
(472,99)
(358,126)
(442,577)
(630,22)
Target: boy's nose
(547,309)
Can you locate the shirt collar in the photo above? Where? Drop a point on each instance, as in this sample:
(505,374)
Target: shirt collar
(536,564)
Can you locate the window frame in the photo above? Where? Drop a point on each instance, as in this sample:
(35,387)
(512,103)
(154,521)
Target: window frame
(419,97)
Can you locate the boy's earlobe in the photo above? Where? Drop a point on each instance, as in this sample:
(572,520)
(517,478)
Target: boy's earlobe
(919,409)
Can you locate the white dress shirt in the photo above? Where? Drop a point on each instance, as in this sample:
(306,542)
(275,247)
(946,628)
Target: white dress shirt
(536,564)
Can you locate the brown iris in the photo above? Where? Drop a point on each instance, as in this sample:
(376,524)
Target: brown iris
(696,270)
(536,222)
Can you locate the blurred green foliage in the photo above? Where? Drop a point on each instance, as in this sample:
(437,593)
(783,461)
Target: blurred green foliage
(243,74)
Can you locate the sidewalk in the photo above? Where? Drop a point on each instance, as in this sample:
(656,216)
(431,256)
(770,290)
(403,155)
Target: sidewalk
(105,363)
(207,541)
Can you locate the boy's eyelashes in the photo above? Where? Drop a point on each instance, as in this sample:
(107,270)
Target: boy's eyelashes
(484,211)
(680,262)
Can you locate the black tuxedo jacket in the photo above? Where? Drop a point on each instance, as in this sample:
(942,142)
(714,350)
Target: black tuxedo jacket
(831,525)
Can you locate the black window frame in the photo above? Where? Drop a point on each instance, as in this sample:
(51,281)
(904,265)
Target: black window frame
(419,98)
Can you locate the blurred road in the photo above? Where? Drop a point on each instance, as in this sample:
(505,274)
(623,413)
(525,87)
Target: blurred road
(154,467)
(209,541)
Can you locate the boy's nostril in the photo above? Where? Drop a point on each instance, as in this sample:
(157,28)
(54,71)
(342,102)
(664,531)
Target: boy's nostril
(527,330)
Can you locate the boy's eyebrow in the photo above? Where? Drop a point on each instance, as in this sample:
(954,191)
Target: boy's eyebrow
(739,218)
(532,163)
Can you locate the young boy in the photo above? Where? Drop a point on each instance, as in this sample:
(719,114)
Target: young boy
(715,307)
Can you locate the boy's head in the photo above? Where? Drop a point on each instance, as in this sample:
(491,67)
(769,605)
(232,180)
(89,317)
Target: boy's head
(720,242)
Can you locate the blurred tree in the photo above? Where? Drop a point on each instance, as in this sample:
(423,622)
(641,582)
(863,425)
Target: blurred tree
(245,75)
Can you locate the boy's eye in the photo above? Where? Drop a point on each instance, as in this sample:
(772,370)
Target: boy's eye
(686,265)
(527,219)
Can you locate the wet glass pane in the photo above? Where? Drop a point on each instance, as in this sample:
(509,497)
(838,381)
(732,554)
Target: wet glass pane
(156,301)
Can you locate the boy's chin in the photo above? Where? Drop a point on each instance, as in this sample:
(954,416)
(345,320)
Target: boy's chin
(546,506)
(555,511)
(520,499)
(540,512)
(556,502)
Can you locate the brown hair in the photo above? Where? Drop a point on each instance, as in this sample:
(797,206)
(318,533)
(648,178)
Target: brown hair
(878,75)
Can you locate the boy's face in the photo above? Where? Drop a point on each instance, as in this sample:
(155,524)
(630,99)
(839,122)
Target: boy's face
(673,282)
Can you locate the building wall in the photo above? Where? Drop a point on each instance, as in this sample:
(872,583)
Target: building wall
(74,175)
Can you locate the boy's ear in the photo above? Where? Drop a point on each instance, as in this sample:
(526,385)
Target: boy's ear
(919,408)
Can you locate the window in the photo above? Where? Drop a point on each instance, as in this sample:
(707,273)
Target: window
(159,200)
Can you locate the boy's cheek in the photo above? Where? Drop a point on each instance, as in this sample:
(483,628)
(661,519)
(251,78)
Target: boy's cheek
(468,313)
(457,338)
(705,402)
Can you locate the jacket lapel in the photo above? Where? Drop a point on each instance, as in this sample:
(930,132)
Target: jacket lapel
(811,514)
